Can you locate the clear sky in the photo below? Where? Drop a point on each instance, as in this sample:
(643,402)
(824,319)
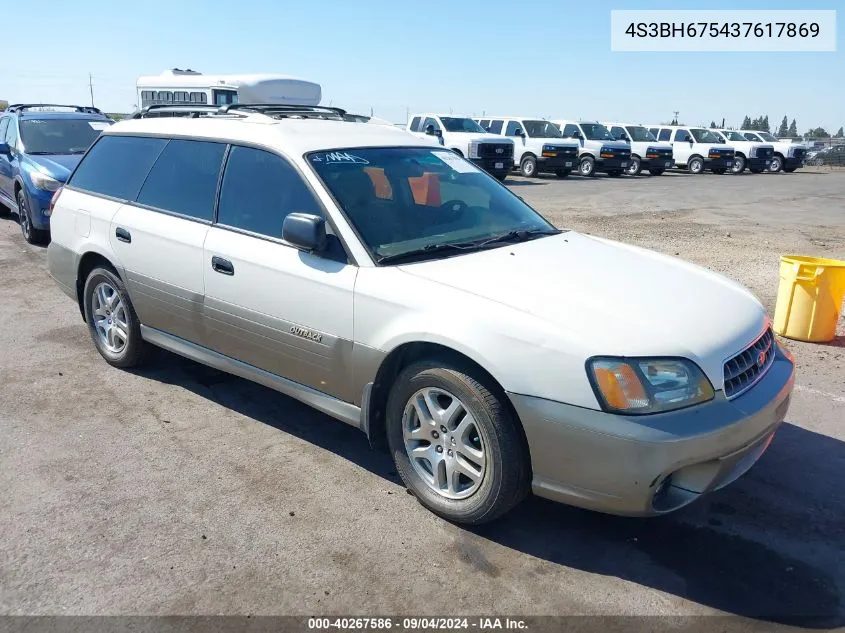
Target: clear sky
(543,58)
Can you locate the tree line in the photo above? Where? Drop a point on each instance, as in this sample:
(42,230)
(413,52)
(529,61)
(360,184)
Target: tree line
(786,128)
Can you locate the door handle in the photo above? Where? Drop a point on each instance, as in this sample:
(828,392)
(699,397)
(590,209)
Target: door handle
(222,266)
(122,235)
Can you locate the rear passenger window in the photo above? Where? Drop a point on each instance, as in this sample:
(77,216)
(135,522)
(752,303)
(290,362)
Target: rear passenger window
(665,135)
(184,179)
(496,126)
(259,190)
(117,165)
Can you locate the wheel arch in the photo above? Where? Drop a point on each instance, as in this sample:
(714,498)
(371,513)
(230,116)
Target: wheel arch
(90,260)
(739,153)
(526,154)
(410,352)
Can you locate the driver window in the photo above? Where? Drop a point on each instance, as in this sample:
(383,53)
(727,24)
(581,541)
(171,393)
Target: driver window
(617,131)
(569,130)
(682,136)
(511,128)
(430,121)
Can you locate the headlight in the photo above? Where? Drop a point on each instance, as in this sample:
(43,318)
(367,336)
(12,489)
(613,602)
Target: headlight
(473,150)
(43,181)
(647,385)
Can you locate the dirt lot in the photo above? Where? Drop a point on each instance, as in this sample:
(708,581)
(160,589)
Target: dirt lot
(181,490)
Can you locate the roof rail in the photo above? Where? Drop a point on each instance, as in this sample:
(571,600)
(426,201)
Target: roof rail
(175,109)
(21,107)
(283,109)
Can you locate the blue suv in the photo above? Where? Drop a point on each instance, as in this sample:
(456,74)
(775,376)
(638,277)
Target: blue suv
(40,144)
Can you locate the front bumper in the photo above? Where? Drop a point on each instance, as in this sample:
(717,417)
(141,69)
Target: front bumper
(759,163)
(718,163)
(560,161)
(650,465)
(39,203)
(612,164)
(496,166)
(657,163)
(790,162)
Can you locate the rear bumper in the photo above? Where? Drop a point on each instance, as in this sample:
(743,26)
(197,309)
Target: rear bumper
(62,263)
(650,465)
(495,166)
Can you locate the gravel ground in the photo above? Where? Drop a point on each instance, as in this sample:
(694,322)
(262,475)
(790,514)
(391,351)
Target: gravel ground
(182,490)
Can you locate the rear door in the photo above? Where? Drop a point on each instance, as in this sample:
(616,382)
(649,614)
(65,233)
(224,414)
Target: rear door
(6,188)
(159,236)
(267,303)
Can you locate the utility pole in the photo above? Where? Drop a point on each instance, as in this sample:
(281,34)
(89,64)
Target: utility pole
(91,89)
(676,117)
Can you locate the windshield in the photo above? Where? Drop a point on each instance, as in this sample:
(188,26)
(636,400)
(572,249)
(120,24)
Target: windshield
(705,136)
(60,136)
(404,200)
(596,132)
(639,134)
(541,129)
(733,136)
(768,137)
(454,124)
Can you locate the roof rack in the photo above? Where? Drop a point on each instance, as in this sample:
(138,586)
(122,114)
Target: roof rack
(21,107)
(175,109)
(284,110)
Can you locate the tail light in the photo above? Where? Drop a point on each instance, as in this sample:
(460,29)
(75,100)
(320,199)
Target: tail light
(53,201)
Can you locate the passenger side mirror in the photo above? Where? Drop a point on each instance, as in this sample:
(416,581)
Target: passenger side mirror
(5,149)
(305,231)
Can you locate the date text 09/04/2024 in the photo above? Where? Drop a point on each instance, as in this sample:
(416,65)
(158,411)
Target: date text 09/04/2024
(417,623)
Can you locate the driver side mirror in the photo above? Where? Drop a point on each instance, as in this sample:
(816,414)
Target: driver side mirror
(577,135)
(305,231)
(519,132)
(5,150)
(624,138)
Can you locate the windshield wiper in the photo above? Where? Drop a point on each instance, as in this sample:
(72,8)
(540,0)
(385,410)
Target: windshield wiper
(522,235)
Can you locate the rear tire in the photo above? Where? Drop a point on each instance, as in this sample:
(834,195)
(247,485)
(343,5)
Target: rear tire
(112,321)
(562,173)
(587,166)
(528,167)
(695,165)
(478,436)
(656,172)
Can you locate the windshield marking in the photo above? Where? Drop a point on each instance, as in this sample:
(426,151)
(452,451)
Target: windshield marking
(456,162)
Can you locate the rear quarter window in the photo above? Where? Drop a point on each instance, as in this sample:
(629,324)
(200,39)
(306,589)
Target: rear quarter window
(117,166)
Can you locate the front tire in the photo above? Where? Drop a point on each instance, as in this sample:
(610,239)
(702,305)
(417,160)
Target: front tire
(695,165)
(455,444)
(777,164)
(635,167)
(587,166)
(739,165)
(112,321)
(528,167)
(30,233)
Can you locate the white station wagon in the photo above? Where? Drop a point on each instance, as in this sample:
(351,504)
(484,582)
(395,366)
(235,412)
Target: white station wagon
(397,287)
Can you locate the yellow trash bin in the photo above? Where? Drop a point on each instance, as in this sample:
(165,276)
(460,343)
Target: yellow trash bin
(809,297)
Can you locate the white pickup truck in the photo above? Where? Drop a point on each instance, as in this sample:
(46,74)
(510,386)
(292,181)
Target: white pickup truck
(788,156)
(491,152)
(646,151)
(756,156)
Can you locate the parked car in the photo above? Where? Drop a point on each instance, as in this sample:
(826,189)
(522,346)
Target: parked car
(646,151)
(416,298)
(788,156)
(831,156)
(40,144)
(756,156)
(467,138)
(538,145)
(696,149)
(599,151)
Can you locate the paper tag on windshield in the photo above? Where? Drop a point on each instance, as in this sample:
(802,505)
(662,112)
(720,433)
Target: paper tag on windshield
(456,162)
(98,125)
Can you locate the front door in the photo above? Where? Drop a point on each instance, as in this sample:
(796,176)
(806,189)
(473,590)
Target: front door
(266,303)
(682,146)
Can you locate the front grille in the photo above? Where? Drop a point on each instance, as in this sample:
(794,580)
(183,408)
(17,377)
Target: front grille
(658,152)
(614,152)
(491,150)
(765,152)
(799,152)
(746,368)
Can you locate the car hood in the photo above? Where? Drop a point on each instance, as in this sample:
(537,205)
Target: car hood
(58,166)
(612,144)
(611,298)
